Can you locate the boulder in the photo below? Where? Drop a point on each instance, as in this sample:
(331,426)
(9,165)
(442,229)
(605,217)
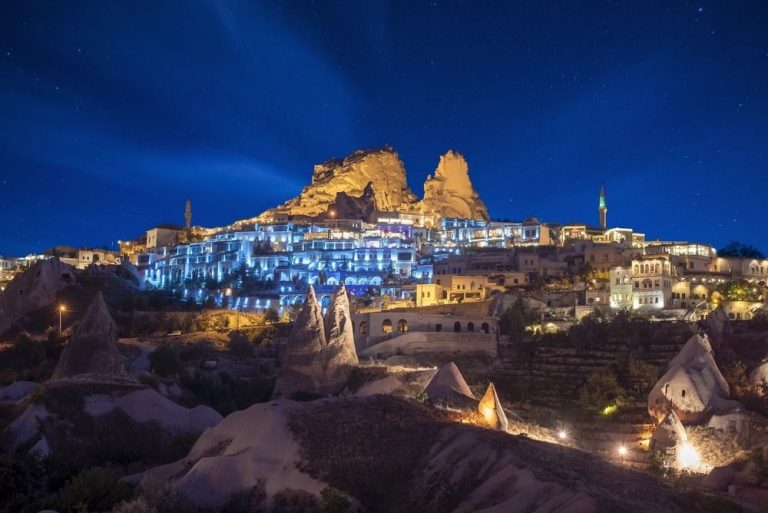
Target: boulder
(248,446)
(759,375)
(92,349)
(692,386)
(17,391)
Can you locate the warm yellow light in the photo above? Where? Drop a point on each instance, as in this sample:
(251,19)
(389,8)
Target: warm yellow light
(610,409)
(562,434)
(688,457)
(487,413)
(622,451)
(228,292)
(62,308)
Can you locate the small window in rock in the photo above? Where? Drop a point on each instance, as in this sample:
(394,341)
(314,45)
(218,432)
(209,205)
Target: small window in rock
(683,393)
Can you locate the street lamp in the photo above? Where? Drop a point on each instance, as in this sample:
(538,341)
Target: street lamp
(62,309)
(562,435)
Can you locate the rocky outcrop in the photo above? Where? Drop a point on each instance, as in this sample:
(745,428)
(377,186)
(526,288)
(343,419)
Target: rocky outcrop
(350,175)
(92,349)
(450,193)
(370,181)
(249,448)
(320,353)
(491,410)
(351,207)
(33,289)
(692,387)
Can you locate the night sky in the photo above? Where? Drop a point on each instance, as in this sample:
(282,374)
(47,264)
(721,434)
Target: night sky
(113,113)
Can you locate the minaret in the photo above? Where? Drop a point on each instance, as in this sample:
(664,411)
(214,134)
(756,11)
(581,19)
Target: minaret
(188,215)
(603,209)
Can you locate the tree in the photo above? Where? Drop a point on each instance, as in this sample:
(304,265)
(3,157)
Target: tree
(271,316)
(738,249)
(512,322)
(601,391)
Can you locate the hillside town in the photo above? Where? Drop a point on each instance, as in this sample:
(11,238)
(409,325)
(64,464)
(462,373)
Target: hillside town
(231,360)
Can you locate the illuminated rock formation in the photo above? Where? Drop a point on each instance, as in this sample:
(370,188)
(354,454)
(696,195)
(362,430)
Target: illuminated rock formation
(33,289)
(692,387)
(317,361)
(449,193)
(351,175)
(447,383)
(491,410)
(92,349)
(340,352)
(370,181)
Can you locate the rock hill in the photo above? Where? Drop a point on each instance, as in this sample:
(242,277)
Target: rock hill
(369,180)
(394,455)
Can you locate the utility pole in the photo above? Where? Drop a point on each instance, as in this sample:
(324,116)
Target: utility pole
(62,309)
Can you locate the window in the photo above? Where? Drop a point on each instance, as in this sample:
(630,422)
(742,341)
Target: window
(438,327)
(402,326)
(457,326)
(682,393)
(485,328)
(363,329)
(471,327)
(386,326)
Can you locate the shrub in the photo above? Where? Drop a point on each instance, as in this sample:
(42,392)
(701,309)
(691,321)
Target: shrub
(94,490)
(333,501)
(165,361)
(21,483)
(601,391)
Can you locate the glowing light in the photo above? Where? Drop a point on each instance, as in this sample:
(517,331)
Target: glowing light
(487,413)
(62,308)
(610,409)
(622,450)
(562,435)
(688,457)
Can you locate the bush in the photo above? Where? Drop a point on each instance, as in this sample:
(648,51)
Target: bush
(21,483)
(93,490)
(156,497)
(295,501)
(165,361)
(333,501)
(601,391)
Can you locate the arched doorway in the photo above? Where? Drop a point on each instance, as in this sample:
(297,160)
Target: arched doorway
(363,329)
(457,326)
(485,328)
(402,326)
(386,326)
(470,326)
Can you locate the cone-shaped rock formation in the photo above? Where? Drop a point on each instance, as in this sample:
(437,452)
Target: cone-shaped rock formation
(320,353)
(447,383)
(490,408)
(92,349)
(693,386)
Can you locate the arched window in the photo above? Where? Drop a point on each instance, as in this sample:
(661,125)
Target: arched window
(402,326)
(470,326)
(682,394)
(386,326)
(485,328)
(457,326)
(363,329)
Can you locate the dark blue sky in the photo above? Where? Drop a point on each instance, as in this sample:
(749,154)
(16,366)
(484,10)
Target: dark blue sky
(112,113)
